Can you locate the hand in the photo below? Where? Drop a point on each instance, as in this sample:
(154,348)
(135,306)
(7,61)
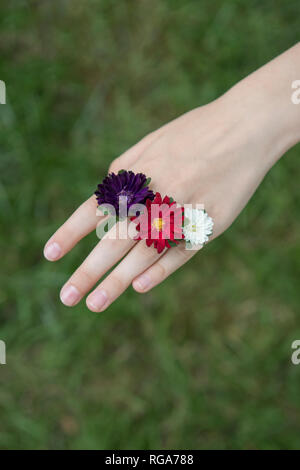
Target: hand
(216,155)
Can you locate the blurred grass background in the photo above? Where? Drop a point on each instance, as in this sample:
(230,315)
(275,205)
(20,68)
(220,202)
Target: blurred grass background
(203,361)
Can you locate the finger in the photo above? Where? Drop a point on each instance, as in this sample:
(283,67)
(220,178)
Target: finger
(137,260)
(164,267)
(81,222)
(102,258)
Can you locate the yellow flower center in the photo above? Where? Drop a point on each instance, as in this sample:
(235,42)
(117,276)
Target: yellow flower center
(158,224)
(194,228)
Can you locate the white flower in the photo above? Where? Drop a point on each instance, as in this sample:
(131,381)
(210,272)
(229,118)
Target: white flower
(198,226)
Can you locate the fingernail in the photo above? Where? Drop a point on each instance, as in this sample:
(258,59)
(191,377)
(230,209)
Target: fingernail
(70,295)
(142,282)
(97,300)
(52,251)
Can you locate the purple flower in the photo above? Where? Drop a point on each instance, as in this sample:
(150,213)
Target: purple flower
(125,183)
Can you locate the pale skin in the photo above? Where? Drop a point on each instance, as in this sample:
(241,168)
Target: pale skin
(216,155)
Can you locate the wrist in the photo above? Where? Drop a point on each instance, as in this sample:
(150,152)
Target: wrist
(264,106)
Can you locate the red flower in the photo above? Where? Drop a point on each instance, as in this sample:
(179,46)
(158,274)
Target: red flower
(161,224)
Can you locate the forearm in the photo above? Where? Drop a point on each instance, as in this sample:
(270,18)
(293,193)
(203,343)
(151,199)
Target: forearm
(265,106)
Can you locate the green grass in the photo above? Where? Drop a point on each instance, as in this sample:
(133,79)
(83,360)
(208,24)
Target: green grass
(203,361)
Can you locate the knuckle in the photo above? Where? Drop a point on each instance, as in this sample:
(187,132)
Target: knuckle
(84,277)
(118,283)
(147,139)
(147,252)
(90,203)
(66,234)
(160,271)
(183,253)
(115,166)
